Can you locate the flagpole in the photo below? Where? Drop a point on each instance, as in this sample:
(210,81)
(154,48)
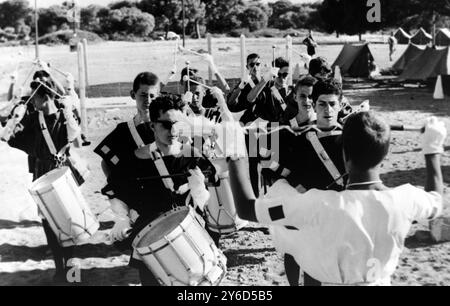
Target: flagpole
(36,16)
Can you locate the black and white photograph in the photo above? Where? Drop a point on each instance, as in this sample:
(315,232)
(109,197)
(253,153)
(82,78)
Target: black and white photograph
(227,144)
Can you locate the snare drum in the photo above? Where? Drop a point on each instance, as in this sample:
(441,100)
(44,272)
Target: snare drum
(63,206)
(179,251)
(221,212)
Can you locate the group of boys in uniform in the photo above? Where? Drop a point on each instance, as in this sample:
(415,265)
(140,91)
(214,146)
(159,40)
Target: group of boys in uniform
(314,153)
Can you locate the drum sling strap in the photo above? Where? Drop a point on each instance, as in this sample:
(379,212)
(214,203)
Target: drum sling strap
(324,158)
(293,122)
(59,156)
(162,170)
(135,134)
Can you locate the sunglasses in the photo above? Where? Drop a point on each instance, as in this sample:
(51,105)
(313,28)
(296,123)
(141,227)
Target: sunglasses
(252,65)
(167,124)
(283,75)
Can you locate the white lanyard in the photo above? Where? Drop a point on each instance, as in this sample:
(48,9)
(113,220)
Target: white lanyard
(135,134)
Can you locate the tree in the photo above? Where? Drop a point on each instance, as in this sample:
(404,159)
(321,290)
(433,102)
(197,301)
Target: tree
(415,13)
(223,16)
(254,18)
(170,9)
(120,4)
(347,16)
(332,12)
(52,18)
(126,21)
(90,20)
(285,21)
(13,12)
(23,30)
(279,9)
(195,13)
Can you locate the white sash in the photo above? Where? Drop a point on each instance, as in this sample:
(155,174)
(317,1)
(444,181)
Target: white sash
(293,122)
(135,134)
(162,170)
(277,94)
(161,167)
(324,158)
(46,134)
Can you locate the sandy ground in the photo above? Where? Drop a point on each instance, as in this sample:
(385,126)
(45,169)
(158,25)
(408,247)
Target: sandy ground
(252,259)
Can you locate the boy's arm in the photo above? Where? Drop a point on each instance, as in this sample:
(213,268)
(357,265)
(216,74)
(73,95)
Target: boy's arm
(223,85)
(433,140)
(429,205)
(242,190)
(256,91)
(434,174)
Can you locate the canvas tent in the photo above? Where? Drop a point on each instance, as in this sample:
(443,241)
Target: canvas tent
(402,37)
(429,64)
(410,54)
(421,37)
(443,37)
(355,60)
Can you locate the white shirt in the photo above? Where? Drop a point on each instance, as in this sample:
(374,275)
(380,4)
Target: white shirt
(345,238)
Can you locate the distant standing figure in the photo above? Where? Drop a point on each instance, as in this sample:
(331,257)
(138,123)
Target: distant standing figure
(392,41)
(310,44)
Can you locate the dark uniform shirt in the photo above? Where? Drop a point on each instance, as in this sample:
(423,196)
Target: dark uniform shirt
(31,141)
(119,145)
(297,155)
(138,184)
(269,106)
(242,104)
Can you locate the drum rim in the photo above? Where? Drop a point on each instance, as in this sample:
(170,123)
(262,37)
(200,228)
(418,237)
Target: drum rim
(147,228)
(33,190)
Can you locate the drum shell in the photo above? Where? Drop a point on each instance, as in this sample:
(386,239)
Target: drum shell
(64,207)
(221,211)
(185,256)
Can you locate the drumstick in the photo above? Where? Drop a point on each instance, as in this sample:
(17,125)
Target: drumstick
(159,177)
(182,49)
(407,128)
(188,75)
(175,56)
(56,93)
(59,71)
(273,55)
(187,79)
(32,95)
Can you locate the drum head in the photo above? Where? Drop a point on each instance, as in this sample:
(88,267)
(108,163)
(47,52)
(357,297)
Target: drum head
(49,178)
(162,227)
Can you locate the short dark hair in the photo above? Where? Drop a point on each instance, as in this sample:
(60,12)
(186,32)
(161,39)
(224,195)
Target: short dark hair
(326,87)
(280,63)
(163,104)
(192,73)
(366,140)
(308,81)
(41,75)
(145,78)
(48,90)
(319,65)
(252,56)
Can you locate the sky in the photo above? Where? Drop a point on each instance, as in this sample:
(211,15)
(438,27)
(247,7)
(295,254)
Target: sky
(47,3)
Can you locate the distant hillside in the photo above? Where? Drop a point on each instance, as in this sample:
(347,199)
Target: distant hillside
(64,36)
